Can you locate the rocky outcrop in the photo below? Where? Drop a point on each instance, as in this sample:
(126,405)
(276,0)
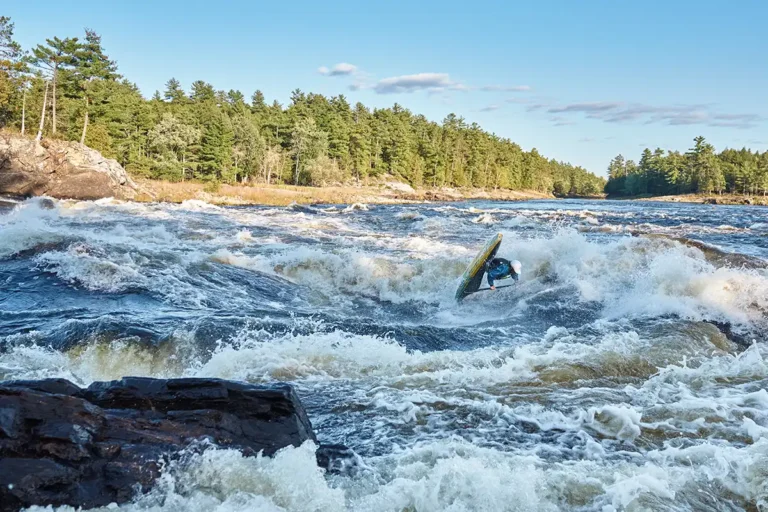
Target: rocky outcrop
(65,170)
(63,445)
(399,186)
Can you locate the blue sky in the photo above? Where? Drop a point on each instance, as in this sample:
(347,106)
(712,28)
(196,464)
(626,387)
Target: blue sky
(580,80)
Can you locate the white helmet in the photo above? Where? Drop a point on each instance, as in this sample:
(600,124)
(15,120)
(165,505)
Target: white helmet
(518,268)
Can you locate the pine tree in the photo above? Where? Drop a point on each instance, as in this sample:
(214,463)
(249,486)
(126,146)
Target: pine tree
(10,50)
(216,150)
(173,92)
(236,102)
(12,68)
(92,64)
(258,105)
(56,55)
(360,151)
(202,91)
(674,165)
(704,167)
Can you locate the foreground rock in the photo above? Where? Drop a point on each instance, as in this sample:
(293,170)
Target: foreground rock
(63,445)
(65,170)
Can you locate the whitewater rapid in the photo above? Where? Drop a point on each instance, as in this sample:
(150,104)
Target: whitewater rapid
(598,382)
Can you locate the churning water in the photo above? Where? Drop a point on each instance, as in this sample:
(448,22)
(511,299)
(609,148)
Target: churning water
(595,383)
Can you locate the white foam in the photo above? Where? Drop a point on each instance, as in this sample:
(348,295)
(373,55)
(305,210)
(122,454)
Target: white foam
(225,481)
(639,276)
(485,218)
(409,215)
(198,205)
(456,476)
(621,422)
(362,207)
(358,272)
(78,265)
(27,226)
(518,221)
(244,236)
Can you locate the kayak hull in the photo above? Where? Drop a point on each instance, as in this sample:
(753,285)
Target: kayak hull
(473,276)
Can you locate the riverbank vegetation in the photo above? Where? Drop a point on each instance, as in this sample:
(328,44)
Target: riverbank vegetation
(700,170)
(69,88)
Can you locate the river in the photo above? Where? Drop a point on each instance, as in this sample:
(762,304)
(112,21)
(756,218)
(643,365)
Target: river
(594,384)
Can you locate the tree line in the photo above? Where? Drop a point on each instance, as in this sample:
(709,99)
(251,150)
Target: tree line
(70,89)
(698,170)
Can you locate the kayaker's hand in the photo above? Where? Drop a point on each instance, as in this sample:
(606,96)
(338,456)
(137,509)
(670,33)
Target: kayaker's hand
(493,287)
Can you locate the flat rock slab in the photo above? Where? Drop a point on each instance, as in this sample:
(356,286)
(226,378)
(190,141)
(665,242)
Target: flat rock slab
(64,445)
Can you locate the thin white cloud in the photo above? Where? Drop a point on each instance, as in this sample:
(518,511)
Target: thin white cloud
(673,115)
(600,106)
(490,108)
(340,69)
(419,82)
(432,83)
(560,121)
(504,88)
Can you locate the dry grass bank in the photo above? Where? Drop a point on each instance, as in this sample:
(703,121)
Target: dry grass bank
(282,195)
(710,199)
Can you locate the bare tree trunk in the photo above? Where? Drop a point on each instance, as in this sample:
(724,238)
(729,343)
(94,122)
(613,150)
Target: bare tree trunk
(183,166)
(267,170)
(275,170)
(85,123)
(24,111)
(53,100)
(296,176)
(376,155)
(42,116)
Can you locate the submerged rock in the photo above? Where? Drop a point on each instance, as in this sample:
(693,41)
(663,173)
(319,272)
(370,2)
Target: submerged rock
(63,445)
(65,170)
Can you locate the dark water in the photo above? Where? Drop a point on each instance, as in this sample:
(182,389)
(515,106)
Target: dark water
(595,383)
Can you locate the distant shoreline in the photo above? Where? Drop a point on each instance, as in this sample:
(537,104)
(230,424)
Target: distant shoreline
(151,190)
(724,199)
(283,195)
